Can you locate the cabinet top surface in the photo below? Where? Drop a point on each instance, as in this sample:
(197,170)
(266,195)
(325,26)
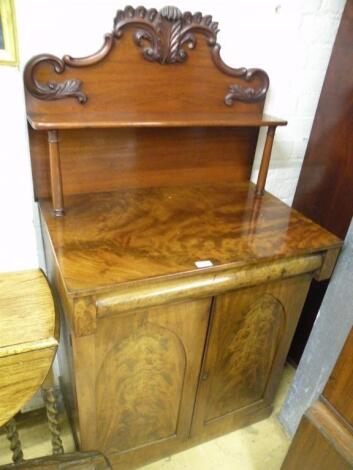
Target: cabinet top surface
(106,239)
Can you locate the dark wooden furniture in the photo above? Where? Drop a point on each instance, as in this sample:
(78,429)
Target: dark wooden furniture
(180,281)
(325,187)
(324,439)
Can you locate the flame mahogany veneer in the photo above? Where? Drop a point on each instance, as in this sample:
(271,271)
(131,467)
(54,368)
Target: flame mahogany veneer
(141,157)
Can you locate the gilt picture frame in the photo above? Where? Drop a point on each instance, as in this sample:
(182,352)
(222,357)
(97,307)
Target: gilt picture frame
(8,34)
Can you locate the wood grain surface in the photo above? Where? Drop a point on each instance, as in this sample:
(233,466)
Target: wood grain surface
(28,338)
(324,438)
(140,378)
(127,375)
(133,158)
(249,337)
(21,375)
(311,449)
(127,91)
(127,82)
(325,186)
(88,120)
(107,239)
(202,284)
(25,297)
(339,388)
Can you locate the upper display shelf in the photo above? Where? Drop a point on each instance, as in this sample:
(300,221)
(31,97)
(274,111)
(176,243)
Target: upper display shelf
(156,68)
(85,120)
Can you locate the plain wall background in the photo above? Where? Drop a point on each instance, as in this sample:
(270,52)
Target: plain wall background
(291,40)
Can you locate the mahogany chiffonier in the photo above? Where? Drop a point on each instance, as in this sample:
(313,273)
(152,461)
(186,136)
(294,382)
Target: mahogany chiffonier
(180,281)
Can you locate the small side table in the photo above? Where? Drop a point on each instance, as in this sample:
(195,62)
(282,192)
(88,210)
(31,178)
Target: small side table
(29,332)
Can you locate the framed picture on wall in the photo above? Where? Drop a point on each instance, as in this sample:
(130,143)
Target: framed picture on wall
(8,38)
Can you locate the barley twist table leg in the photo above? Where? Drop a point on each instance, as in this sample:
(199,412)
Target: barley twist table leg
(15,443)
(52,415)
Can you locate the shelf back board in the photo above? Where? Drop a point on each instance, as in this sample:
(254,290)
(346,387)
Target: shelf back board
(163,66)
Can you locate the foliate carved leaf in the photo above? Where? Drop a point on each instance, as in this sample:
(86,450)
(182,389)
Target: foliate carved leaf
(236,91)
(66,88)
(52,90)
(69,88)
(248,94)
(171,13)
(166,31)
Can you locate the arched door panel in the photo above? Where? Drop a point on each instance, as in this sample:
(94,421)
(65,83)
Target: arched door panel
(247,344)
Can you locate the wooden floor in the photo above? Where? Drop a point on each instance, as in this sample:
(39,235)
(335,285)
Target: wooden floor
(257,447)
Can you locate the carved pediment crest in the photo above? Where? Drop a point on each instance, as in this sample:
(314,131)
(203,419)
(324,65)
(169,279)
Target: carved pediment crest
(168,32)
(164,37)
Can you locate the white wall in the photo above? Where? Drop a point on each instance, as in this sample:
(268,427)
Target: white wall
(17,236)
(290,39)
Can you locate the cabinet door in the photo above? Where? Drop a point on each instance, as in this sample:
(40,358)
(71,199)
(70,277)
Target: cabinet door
(147,370)
(248,341)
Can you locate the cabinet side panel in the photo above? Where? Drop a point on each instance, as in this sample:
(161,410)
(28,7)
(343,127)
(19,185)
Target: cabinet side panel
(67,377)
(65,354)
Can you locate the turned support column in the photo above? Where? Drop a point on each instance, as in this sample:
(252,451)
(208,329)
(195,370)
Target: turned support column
(265,161)
(55,173)
(15,443)
(50,401)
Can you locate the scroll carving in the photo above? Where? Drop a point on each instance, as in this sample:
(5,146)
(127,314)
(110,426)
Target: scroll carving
(164,36)
(237,92)
(66,89)
(52,90)
(248,94)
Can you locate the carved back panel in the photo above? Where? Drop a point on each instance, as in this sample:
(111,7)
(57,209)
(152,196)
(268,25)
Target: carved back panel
(159,64)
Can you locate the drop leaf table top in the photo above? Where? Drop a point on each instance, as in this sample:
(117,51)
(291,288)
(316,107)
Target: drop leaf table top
(28,338)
